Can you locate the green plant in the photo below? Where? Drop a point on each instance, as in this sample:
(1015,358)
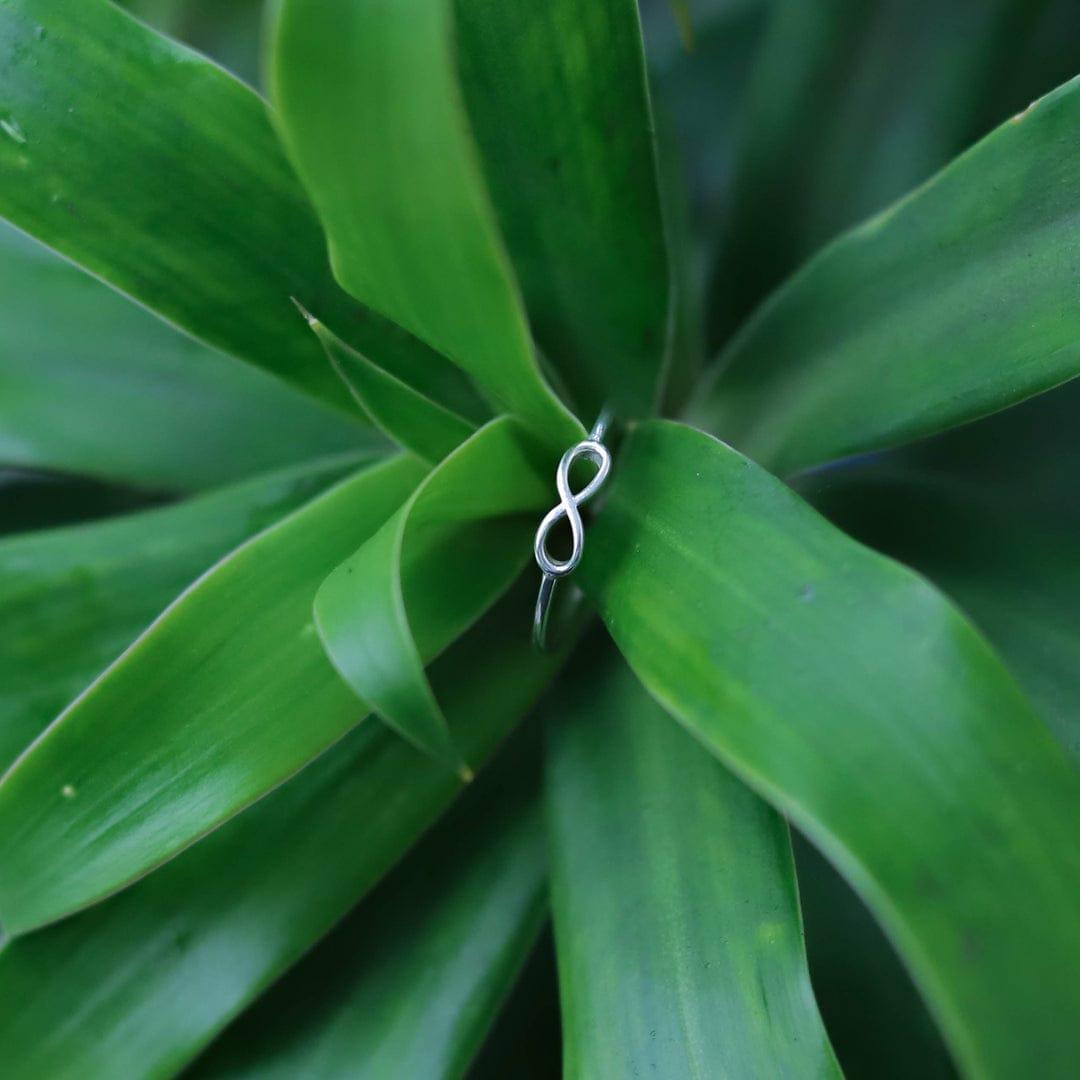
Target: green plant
(207,773)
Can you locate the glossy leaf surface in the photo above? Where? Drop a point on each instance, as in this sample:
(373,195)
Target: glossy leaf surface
(673,893)
(412,420)
(182,198)
(459,542)
(383,145)
(410,983)
(92,384)
(954,303)
(896,740)
(557,98)
(225,696)
(139,984)
(80,595)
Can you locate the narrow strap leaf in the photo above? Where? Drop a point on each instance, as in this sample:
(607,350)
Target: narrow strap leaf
(410,983)
(896,741)
(412,420)
(157,171)
(343,821)
(240,694)
(83,593)
(849,106)
(383,145)
(180,415)
(674,898)
(954,303)
(451,550)
(557,98)
(951,508)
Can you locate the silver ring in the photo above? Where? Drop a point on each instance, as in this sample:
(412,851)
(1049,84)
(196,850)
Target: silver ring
(593,449)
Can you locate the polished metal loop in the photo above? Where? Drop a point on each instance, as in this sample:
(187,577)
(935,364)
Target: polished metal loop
(592,449)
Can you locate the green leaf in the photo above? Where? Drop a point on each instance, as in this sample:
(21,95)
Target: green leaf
(951,508)
(850,105)
(228,33)
(179,415)
(436,565)
(673,892)
(410,983)
(158,172)
(956,302)
(878,1025)
(698,97)
(137,985)
(226,695)
(80,595)
(558,101)
(526,1041)
(895,740)
(413,421)
(382,143)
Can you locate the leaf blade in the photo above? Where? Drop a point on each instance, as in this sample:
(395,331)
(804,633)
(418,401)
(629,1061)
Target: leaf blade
(458,542)
(950,305)
(81,594)
(236,657)
(182,199)
(399,191)
(675,956)
(161,982)
(410,983)
(180,416)
(557,99)
(415,422)
(898,743)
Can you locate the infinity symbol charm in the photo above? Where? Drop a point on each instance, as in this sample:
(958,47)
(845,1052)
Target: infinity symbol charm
(592,449)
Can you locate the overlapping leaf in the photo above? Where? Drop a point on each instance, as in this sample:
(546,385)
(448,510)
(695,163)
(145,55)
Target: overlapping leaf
(92,384)
(849,693)
(997,532)
(224,696)
(956,302)
(157,171)
(139,984)
(411,419)
(850,105)
(674,899)
(80,595)
(410,983)
(444,557)
(382,143)
(557,99)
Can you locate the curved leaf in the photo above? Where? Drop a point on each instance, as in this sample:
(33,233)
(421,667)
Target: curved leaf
(137,985)
(850,105)
(410,983)
(80,595)
(878,1024)
(157,171)
(896,740)
(433,568)
(951,507)
(382,142)
(558,101)
(227,694)
(412,420)
(956,302)
(91,383)
(676,912)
